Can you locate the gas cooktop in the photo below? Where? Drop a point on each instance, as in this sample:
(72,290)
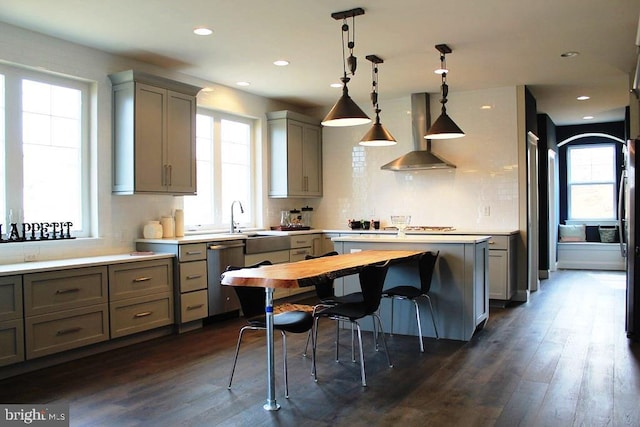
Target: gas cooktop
(424,228)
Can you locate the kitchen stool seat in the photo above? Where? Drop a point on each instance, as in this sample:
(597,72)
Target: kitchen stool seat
(426,267)
(372,279)
(252,303)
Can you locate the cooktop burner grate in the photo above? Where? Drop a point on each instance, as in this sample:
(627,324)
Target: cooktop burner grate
(424,228)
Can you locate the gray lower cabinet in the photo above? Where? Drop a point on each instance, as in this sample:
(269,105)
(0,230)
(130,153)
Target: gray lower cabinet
(65,309)
(141,296)
(191,301)
(11,342)
(11,323)
(502,267)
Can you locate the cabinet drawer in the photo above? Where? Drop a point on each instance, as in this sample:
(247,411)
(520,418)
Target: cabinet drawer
(11,342)
(277,257)
(10,298)
(55,332)
(193,276)
(139,278)
(140,314)
(498,242)
(193,306)
(301,241)
(64,289)
(299,254)
(192,252)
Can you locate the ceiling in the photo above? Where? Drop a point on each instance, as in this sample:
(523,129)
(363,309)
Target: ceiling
(495,43)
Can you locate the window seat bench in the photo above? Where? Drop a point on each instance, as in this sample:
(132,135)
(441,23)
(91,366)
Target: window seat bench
(590,256)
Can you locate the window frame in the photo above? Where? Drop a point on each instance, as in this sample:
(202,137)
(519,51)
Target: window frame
(592,221)
(220,212)
(12,152)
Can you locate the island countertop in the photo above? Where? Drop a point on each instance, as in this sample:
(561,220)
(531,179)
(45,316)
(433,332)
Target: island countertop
(413,238)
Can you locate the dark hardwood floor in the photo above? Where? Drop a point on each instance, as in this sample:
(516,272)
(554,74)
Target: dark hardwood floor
(562,359)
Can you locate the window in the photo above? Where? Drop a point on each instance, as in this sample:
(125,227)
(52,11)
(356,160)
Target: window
(44,149)
(591,179)
(224,158)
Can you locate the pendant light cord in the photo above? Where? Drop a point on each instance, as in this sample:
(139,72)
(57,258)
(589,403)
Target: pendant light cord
(445,87)
(351,61)
(374,89)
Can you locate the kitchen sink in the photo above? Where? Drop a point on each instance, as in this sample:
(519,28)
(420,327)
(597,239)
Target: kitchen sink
(257,243)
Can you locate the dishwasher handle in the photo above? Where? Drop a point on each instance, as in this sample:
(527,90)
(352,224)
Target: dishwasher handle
(222,246)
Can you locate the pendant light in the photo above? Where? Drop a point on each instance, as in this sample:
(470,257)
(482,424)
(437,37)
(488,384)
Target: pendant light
(346,112)
(444,127)
(377,136)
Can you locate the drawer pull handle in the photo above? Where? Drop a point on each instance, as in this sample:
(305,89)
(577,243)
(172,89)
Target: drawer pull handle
(194,252)
(141,279)
(143,314)
(68,331)
(491,242)
(67,291)
(194,276)
(194,307)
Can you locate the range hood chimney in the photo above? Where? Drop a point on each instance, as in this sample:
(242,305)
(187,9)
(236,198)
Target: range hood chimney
(422,157)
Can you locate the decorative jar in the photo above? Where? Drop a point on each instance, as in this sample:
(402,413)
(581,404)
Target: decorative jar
(152,230)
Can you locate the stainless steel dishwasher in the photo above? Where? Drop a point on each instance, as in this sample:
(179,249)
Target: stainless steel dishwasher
(222,299)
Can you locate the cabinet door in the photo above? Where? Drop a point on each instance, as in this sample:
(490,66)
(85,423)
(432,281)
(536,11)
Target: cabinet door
(498,264)
(295,147)
(150,133)
(10,298)
(181,143)
(312,161)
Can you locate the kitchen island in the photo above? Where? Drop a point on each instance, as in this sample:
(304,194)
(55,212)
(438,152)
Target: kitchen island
(459,289)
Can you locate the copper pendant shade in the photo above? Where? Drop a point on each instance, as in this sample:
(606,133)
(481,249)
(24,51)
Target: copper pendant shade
(444,127)
(377,136)
(346,112)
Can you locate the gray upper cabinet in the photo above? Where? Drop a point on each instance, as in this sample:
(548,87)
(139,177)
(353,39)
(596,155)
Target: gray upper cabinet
(154,128)
(295,155)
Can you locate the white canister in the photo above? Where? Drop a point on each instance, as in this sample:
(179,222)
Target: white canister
(152,230)
(179,216)
(168,226)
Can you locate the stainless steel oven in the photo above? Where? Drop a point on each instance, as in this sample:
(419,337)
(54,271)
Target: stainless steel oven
(222,299)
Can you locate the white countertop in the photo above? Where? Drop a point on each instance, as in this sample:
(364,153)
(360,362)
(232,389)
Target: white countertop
(425,238)
(63,264)
(482,232)
(217,237)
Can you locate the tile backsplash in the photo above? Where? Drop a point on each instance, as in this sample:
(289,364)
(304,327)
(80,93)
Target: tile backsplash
(480,193)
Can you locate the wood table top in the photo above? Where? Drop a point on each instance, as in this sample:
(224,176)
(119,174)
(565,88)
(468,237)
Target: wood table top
(308,272)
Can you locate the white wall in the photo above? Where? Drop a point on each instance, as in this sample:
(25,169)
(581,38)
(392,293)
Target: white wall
(486,176)
(119,219)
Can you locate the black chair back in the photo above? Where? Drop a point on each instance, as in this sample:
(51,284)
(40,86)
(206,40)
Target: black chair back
(426,266)
(252,299)
(372,279)
(324,289)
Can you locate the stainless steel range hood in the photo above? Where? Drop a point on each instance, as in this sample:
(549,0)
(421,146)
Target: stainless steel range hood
(422,157)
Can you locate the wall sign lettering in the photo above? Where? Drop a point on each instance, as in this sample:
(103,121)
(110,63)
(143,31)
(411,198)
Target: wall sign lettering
(37,231)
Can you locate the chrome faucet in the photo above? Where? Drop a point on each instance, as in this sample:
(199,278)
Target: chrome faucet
(233,223)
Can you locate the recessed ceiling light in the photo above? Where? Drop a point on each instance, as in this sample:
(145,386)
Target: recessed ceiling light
(243,83)
(569,54)
(588,117)
(202,31)
(336,85)
(486,107)
(583,98)
(281,63)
